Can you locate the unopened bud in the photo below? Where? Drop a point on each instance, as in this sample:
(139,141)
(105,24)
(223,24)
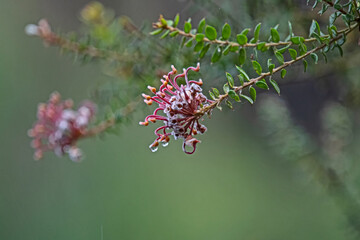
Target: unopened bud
(148,102)
(146,123)
(152,89)
(173,69)
(147,97)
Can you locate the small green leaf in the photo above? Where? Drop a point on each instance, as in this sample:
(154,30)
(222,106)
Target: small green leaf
(229,104)
(204,51)
(340,50)
(290,29)
(314,28)
(199,37)
(243,73)
(333,18)
(283,50)
(230,79)
(227,50)
(169,22)
(303,49)
(262,47)
(166,33)
(157,31)
(212,95)
(201,26)
(270,65)
(234,95)
(275,85)
(279,57)
(234,48)
(241,79)
(283,73)
(226,31)
(187,27)
(337,6)
(247,98)
(173,34)
(262,84)
(296,40)
(342,40)
(252,93)
(325,56)
(242,39)
(216,55)
(257,67)
(305,65)
(242,56)
(256,33)
(315,4)
(189,43)
(226,88)
(293,53)
(176,20)
(245,31)
(216,92)
(210,32)
(163,21)
(198,46)
(275,35)
(315,57)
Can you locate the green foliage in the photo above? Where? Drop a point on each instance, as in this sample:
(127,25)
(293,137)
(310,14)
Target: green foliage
(210,32)
(226,31)
(257,67)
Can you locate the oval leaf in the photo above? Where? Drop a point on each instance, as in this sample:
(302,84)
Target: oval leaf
(210,32)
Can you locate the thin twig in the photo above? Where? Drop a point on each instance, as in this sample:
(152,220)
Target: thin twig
(54,39)
(103,126)
(332,5)
(159,25)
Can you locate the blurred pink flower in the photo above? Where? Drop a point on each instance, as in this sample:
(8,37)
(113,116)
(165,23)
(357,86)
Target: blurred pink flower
(59,127)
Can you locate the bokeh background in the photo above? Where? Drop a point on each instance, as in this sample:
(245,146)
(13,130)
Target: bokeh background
(236,186)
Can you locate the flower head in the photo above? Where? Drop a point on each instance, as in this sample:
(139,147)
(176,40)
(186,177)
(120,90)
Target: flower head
(179,103)
(59,127)
(42,30)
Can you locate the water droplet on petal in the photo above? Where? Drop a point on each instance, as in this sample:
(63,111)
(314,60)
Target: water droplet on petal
(153,148)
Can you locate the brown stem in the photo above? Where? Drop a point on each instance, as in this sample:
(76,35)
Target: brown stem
(331,4)
(222,42)
(75,47)
(159,25)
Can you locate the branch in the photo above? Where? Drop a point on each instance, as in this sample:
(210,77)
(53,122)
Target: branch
(78,48)
(159,25)
(50,38)
(221,98)
(103,126)
(332,5)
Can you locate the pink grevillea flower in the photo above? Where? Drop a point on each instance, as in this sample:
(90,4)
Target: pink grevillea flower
(59,127)
(179,103)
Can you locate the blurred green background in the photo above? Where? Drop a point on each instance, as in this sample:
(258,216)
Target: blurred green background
(233,187)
